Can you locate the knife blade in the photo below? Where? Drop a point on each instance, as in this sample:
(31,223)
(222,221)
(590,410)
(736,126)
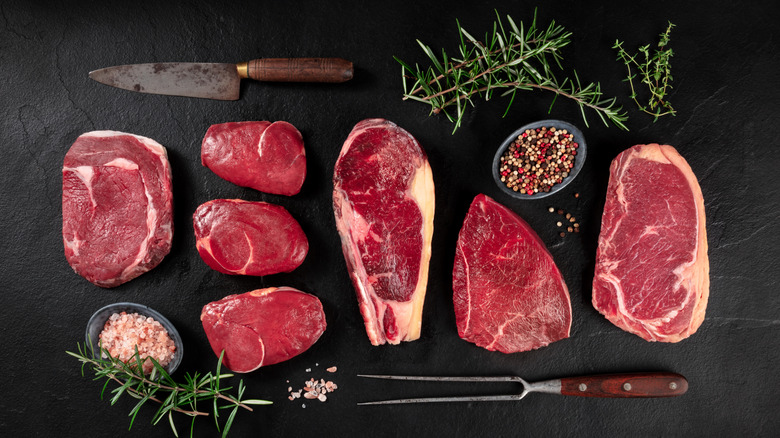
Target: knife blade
(220,81)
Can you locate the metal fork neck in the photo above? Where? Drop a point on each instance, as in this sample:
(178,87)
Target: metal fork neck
(548,386)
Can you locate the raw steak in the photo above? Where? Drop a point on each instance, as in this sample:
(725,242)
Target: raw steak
(652,272)
(248,238)
(383,200)
(117,206)
(263,327)
(264,156)
(508,294)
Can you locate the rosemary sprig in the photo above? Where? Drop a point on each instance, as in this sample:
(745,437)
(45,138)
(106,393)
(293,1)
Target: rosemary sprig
(160,388)
(513,59)
(655,72)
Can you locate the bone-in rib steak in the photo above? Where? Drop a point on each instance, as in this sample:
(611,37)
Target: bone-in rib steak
(117,206)
(248,238)
(263,327)
(383,199)
(652,270)
(508,293)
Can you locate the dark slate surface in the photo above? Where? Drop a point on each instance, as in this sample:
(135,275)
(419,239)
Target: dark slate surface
(727,93)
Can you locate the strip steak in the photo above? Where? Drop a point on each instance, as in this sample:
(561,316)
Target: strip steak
(117,206)
(383,200)
(652,270)
(508,293)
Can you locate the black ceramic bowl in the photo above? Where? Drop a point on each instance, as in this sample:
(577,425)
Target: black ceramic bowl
(579,161)
(99,318)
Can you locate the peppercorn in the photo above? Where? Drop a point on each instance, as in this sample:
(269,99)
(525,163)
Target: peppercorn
(544,154)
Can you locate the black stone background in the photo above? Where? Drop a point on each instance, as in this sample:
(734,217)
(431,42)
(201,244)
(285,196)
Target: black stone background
(727,93)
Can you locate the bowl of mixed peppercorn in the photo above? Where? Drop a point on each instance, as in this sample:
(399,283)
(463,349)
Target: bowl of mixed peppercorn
(539,159)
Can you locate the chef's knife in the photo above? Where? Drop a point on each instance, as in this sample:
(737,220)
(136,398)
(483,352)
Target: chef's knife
(220,81)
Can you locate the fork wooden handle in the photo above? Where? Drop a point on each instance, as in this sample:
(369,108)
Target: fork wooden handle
(297,70)
(627,385)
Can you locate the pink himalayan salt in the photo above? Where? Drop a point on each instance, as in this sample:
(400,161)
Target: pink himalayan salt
(124,331)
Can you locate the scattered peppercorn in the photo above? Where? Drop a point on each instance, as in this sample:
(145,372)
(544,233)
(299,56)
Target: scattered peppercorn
(551,209)
(576,195)
(560,211)
(560,224)
(563,234)
(570,229)
(538,160)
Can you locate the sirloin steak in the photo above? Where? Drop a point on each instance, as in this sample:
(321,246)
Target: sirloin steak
(248,238)
(508,293)
(265,156)
(117,206)
(652,270)
(383,200)
(263,327)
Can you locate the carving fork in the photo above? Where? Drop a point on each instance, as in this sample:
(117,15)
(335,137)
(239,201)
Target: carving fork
(627,385)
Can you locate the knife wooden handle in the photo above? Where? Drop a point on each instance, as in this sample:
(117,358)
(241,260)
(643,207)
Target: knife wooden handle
(297,70)
(626,385)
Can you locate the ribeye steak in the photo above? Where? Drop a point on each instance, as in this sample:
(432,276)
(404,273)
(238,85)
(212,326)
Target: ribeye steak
(264,156)
(652,270)
(117,206)
(248,238)
(508,293)
(383,199)
(263,327)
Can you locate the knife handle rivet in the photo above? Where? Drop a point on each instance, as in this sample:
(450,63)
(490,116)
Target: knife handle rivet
(673,386)
(627,386)
(583,387)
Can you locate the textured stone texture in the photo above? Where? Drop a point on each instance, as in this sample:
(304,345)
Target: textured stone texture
(727,93)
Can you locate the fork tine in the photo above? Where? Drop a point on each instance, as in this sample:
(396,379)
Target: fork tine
(444,399)
(443,378)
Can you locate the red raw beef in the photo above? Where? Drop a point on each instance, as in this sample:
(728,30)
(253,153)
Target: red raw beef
(508,294)
(652,271)
(117,206)
(263,327)
(383,199)
(248,238)
(264,156)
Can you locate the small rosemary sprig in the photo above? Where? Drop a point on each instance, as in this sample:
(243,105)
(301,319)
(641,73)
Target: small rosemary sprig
(513,59)
(160,388)
(655,72)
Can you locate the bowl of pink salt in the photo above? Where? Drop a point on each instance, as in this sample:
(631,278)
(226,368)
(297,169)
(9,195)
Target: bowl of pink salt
(118,329)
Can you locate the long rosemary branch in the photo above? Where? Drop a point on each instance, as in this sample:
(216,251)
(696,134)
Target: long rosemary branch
(511,59)
(160,388)
(655,72)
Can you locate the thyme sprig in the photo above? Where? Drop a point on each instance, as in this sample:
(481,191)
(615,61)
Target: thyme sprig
(160,388)
(655,71)
(512,59)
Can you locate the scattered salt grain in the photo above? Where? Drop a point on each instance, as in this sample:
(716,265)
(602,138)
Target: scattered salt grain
(308,370)
(313,390)
(123,332)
